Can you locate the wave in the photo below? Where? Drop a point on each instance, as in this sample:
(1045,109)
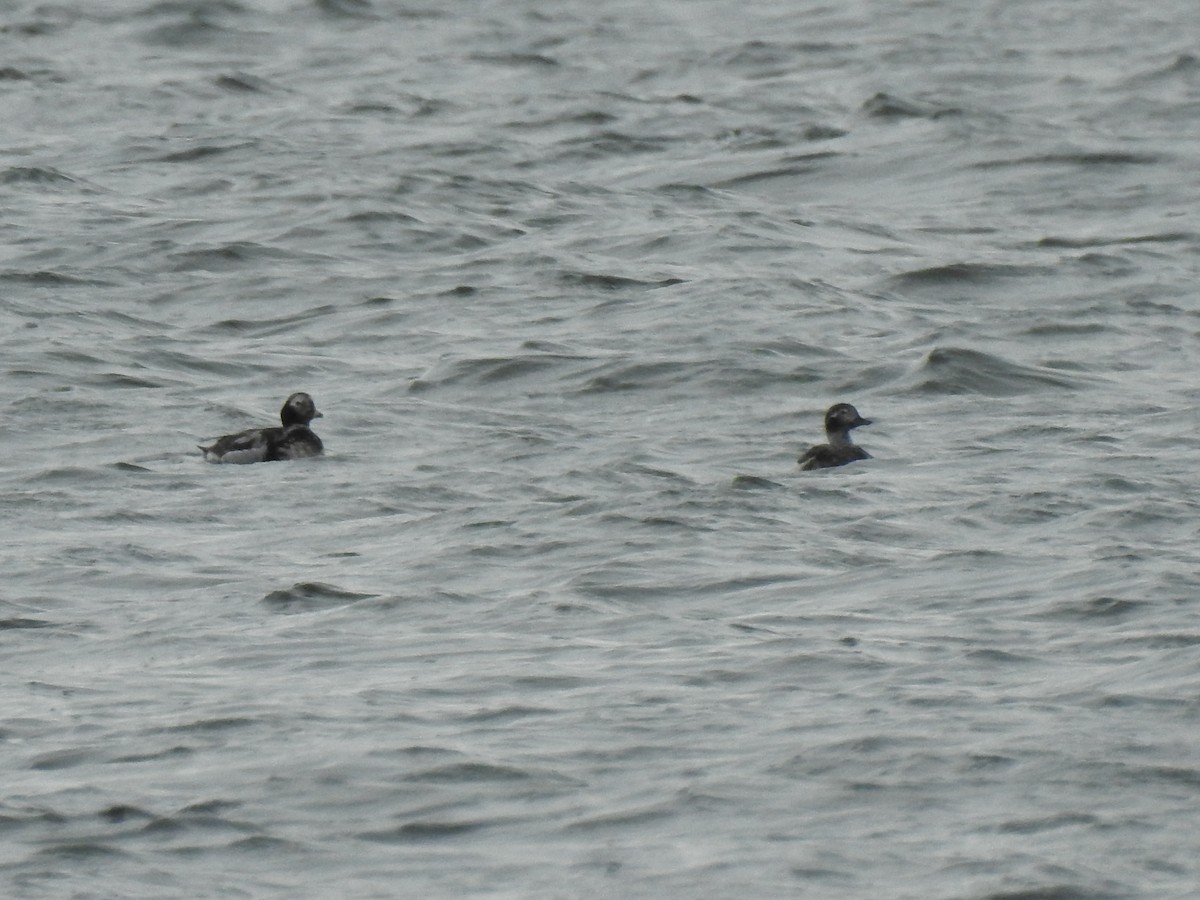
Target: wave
(311,596)
(954,370)
(959,273)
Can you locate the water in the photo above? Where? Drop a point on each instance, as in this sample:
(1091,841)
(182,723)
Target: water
(557,616)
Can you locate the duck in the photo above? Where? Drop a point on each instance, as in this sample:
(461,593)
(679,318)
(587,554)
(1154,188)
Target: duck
(839,419)
(292,440)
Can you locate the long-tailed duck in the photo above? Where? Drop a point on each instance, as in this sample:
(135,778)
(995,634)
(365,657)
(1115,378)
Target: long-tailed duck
(839,419)
(293,440)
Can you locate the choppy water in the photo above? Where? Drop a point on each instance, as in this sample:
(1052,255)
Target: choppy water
(557,616)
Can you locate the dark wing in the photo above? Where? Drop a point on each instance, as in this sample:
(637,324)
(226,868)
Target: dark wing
(825,457)
(819,457)
(244,447)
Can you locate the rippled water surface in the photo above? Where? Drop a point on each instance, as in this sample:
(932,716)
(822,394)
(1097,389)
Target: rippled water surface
(557,615)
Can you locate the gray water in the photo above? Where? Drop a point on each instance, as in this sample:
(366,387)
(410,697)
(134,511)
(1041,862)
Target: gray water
(573,283)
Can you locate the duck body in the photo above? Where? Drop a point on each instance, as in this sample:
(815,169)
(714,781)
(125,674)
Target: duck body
(839,420)
(292,439)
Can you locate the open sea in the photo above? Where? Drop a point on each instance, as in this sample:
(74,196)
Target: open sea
(557,615)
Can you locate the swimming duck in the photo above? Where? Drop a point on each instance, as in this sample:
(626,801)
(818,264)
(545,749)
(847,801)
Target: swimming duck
(839,419)
(293,440)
